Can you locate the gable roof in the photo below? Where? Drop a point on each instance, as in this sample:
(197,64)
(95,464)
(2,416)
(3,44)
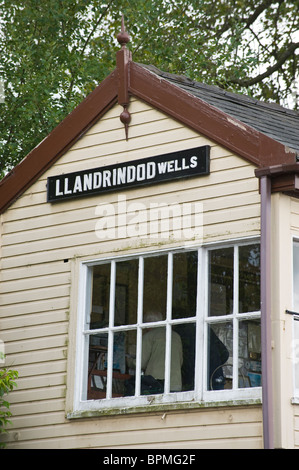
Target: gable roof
(229,122)
(277,122)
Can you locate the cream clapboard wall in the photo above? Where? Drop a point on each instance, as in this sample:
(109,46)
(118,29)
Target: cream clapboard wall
(285,219)
(39,243)
(294,222)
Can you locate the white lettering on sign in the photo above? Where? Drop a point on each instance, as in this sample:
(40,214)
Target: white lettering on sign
(120,176)
(181,164)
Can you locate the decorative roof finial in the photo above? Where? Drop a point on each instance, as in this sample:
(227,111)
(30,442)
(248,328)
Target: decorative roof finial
(125,118)
(123,37)
(123,58)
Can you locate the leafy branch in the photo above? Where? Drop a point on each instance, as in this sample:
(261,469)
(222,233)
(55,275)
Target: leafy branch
(7,383)
(54,52)
(285,55)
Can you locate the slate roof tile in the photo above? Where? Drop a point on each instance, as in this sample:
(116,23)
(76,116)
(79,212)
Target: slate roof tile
(277,122)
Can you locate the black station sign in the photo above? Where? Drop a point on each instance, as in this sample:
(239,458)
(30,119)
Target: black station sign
(182,164)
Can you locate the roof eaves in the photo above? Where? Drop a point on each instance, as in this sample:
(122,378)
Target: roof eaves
(215,90)
(225,129)
(284,178)
(279,123)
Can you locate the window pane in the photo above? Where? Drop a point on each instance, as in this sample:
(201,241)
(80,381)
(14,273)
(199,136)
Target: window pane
(221,281)
(99,317)
(124,353)
(220,356)
(187,335)
(126,291)
(296,277)
(249,353)
(249,278)
(176,362)
(153,360)
(124,360)
(184,284)
(97,366)
(130,353)
(155,284)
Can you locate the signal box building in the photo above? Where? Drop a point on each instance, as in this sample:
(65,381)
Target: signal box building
(150,269)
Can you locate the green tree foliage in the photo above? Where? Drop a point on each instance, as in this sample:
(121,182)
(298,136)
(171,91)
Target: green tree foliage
(54,52)
(7,383)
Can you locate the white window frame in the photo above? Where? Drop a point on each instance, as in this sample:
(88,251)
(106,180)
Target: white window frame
(235,393)
(200,394)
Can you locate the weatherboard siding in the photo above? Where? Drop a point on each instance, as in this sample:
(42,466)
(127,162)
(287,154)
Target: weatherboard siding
(229,428)
(294,209)
(296,426)
(294,221)
(39,247)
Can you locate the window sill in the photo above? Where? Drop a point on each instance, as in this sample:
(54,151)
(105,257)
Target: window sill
(154,407)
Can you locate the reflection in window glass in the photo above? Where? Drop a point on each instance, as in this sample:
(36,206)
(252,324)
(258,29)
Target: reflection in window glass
(249,278)
(249,353)
(187,332)
(165,353)
(153,359)
(155,284)
(176,362)
(124,360)
(220,356)
(124,363)
(221,282)
(121,346)
(126,289)
(184,284)
(97,366)
(99,317)
(234,291)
